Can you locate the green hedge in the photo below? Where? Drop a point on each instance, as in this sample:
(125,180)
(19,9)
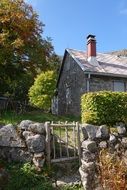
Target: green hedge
(104,107)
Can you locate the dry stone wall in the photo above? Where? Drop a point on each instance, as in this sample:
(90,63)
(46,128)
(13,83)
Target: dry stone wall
(97,138)
(25,142)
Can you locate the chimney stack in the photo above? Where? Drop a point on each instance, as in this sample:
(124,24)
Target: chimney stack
(91,46)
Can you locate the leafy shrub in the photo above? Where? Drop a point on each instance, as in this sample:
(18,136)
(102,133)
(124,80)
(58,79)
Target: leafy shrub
(24,177)
(42,91)
(104,107)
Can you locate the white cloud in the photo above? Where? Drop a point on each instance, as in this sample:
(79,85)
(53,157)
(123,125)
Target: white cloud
(123,11)
(123,7)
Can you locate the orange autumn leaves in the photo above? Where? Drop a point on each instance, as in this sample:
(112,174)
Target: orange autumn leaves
(19,23)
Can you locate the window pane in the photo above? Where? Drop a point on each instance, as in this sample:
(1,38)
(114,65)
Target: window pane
(119,86)
(68,95)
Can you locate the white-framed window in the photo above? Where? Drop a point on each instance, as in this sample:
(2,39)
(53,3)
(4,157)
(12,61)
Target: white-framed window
(54,105)
(119,86)
(68,95)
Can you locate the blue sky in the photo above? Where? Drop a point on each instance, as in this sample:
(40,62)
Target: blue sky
(68,22)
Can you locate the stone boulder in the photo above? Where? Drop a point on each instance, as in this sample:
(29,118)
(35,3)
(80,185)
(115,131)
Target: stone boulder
(9,137)
(102,132)
(103,145)
(84,132)
(112,139)
(25,124)
(90,146)
(87,156)
(15,154)
(38,160)
(36,143)
(91,131)
(37,128)
(124,142)
(87,172)
(88,166)
(27,134)
(85,179)
(20,155)
(121,129)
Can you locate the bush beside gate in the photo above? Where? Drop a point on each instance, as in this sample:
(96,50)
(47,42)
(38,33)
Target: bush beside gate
(104,107)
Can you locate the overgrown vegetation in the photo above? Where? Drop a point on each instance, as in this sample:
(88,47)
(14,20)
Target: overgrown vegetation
(113,171)
(38,116)
(25,177)
(104,107)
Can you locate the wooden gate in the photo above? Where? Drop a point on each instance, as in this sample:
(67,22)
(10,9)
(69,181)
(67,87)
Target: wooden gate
(62,142)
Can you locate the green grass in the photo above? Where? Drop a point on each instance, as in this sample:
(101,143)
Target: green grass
(24,177)
(39,116)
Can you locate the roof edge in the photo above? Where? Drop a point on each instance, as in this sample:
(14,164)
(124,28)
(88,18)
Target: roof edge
(61,68)
(105,74)
(78,62)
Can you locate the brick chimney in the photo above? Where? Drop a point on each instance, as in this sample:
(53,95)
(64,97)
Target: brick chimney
(91,46)
(91,50)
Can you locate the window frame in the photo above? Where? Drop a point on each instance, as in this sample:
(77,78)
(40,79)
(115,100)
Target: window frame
(119,81)
(68,95)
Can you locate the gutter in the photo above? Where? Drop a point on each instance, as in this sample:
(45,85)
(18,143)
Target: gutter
(105,74)
(88,83)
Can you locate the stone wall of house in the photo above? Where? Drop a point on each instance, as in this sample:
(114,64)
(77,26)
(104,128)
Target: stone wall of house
(23,143)
(72,85)
(96,139)
(100,83)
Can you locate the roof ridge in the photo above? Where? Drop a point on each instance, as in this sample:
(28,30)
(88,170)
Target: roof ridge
(114,55)
(75,50)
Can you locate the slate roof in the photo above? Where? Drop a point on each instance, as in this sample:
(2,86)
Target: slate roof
(107,64)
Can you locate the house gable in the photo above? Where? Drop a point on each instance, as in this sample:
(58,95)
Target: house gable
(70,86)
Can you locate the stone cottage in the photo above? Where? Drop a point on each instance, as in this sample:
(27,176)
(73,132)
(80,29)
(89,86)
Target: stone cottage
(89,71)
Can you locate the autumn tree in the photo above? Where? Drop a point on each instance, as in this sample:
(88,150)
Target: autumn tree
(23,51)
